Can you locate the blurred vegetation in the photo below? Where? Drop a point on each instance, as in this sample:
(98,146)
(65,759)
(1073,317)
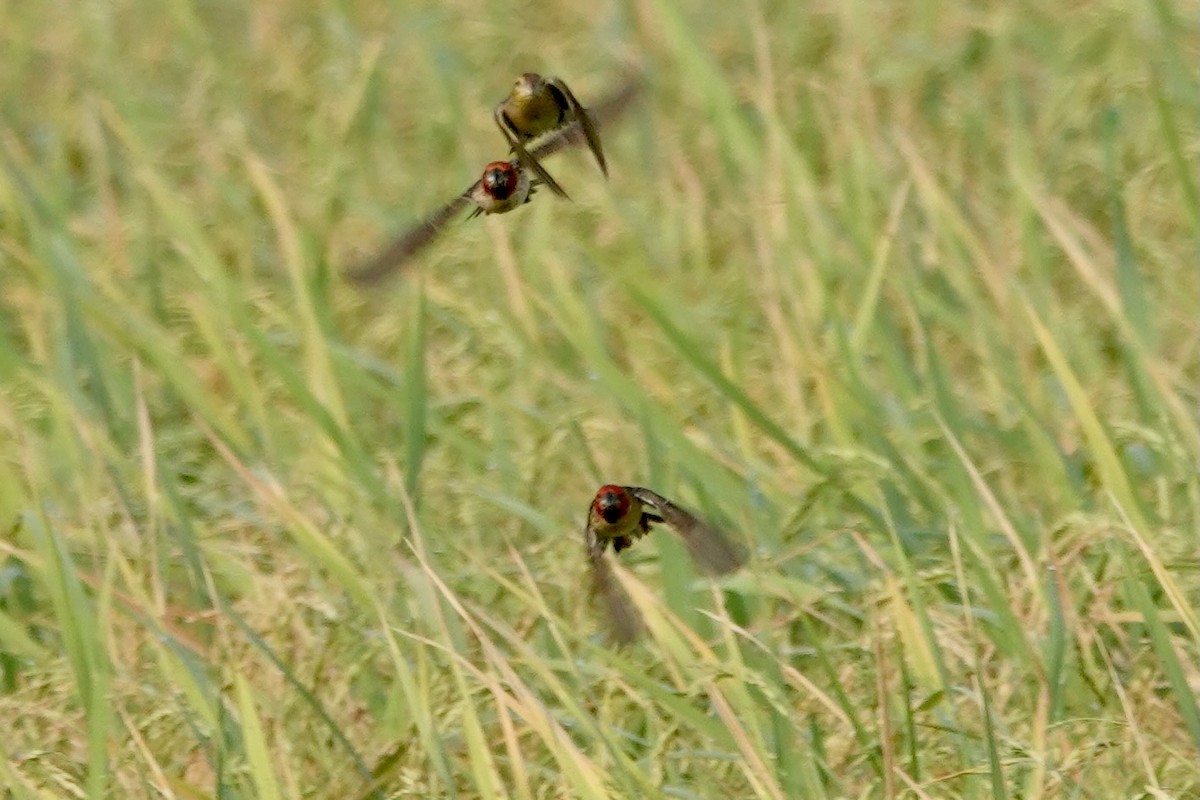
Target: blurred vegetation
(904,294)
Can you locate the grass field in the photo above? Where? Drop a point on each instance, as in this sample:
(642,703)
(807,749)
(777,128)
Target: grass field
(907,296)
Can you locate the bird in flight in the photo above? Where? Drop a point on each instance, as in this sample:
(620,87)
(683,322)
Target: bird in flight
(620,515)
(504,186)
(536,107)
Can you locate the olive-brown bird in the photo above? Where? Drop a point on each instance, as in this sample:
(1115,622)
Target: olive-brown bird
(538,106)
(623,514)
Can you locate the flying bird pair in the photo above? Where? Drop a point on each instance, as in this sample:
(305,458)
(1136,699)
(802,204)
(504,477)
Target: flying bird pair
(537,107)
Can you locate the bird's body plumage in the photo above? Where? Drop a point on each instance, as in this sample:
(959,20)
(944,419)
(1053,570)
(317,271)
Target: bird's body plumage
(534,107)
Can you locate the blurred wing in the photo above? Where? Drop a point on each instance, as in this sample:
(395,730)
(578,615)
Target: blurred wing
(623,618)
(586,123)
(523,155)
(604,113)
(399,252)
(710,548)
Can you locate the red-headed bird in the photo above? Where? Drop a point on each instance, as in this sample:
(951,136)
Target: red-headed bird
(504,186)
(622,515)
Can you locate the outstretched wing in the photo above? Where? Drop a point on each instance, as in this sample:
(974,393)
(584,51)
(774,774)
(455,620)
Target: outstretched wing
(523,156)
(408,244)
(710,548)
(623,617)
(586,124)
(606,112)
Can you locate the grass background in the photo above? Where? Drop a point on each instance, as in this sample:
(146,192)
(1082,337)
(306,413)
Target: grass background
(905,294)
